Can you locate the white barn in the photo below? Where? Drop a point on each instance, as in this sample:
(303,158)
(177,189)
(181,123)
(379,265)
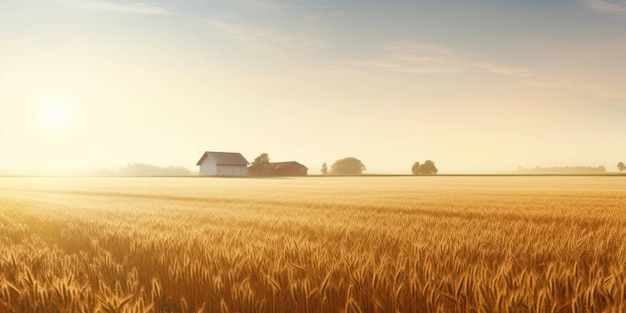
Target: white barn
(223,164)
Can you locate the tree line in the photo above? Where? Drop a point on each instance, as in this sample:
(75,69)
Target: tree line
(345,166)
(569,169)
(354,166)
(563,170)
(140,169)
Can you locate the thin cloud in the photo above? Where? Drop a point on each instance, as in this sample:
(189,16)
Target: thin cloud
(609,6)
(104,5)
(501,69)
(397,67)
(598,90)
(413,57)
(257,37)
(418,47)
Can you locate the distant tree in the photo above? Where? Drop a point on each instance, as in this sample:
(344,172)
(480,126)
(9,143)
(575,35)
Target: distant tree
(348,165)
(416,168)
(621,167)
(428,168)
(324,168)
(259,165)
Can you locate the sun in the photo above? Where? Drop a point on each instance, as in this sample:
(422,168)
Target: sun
(54,114)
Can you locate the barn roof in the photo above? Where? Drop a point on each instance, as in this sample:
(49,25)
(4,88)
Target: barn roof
(277,165)
(224,158)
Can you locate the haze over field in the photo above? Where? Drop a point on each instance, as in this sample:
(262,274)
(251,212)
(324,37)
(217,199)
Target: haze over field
(476,86)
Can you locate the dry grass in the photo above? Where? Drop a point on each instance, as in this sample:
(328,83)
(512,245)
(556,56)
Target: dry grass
(372,244)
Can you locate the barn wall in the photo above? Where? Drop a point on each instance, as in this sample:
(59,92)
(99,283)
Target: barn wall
(232,170)
(207,167)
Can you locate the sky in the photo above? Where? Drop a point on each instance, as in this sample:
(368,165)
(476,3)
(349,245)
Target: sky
(477,86)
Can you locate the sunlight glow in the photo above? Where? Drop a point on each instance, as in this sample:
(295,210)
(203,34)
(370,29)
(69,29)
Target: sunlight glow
(54,114)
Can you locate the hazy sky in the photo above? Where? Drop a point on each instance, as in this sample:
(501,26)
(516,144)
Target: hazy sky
(484,85)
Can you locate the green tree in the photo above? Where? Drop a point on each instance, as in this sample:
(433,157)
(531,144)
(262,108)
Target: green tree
(415,169)
(428,168)
(324,168)
(347,166)
(621,167)
(259,165)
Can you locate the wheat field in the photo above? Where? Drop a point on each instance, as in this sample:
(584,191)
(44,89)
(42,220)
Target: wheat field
(316,244)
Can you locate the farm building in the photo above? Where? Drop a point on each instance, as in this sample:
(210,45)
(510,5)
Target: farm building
(291,168)
(223,164)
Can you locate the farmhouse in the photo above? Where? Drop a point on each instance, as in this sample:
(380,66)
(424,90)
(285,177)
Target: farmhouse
(223,164)
(291,168)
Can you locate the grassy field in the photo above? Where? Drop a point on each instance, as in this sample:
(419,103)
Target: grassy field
(318,244)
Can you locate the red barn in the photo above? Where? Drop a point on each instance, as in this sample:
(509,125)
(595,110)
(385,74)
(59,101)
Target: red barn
(291,168)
